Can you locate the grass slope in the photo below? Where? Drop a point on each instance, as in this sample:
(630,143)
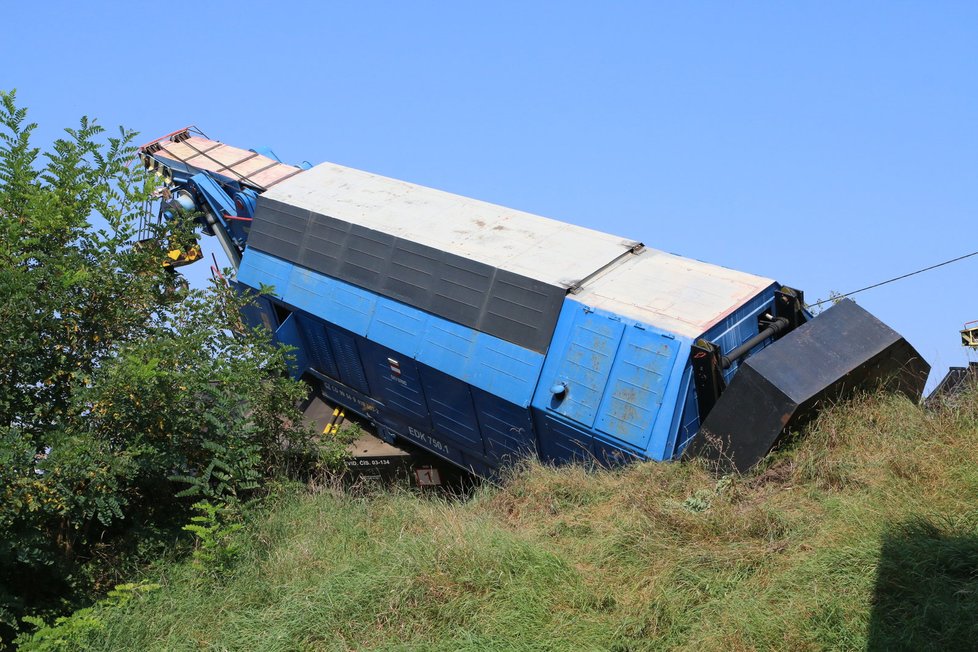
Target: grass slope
(864,535)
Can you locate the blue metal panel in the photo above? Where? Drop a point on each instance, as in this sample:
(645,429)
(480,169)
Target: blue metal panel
(320,354)
(561,442)
(504,369)
(487,362)
(306,290)
(395,381)
(637,386)
(258,269)
(625,379)
(351,308)
(689,422)
(348,360)
(506,428)
(584,365)
(662,443)
(288,334)
(452,411)
(397,326)
(345,305)
(449,347)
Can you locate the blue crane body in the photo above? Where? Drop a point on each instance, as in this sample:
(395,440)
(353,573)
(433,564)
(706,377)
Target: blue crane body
(483,334)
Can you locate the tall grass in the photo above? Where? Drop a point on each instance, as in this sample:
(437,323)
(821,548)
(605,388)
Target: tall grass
(863,534)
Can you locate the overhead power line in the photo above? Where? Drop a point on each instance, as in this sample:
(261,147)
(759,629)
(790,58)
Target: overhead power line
(895,278)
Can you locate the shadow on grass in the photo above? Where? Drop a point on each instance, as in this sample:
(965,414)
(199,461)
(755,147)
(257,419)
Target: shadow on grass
(926,595)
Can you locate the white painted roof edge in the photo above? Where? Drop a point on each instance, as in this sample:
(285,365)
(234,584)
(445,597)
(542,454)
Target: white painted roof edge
(537,247)
(670,292)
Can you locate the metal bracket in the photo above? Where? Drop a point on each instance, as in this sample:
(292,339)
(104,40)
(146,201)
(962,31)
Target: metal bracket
(707,375)
(789,303)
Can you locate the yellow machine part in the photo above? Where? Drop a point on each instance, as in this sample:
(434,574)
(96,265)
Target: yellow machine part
(181,257)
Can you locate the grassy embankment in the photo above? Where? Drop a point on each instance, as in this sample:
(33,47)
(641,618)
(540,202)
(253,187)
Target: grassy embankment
(865,534)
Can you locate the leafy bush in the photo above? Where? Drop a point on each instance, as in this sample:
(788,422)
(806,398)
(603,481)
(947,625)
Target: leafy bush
(114,377)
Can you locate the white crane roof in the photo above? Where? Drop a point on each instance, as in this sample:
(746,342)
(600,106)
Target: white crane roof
(676,294)
(537,247)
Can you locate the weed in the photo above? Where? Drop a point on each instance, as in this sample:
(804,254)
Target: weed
(216,550)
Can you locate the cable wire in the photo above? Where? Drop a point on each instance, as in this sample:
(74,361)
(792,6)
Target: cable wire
(896,278)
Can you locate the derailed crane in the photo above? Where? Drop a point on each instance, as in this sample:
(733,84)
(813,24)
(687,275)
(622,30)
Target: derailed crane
(482,334)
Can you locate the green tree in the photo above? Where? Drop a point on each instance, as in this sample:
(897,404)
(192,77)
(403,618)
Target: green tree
(114,378)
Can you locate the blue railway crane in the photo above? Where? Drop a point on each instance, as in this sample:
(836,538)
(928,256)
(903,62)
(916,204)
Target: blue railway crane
(483,334)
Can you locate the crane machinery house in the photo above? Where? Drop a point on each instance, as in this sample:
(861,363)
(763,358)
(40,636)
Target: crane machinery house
(482,334)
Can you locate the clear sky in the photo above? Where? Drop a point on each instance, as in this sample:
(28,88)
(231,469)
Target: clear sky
(828,145)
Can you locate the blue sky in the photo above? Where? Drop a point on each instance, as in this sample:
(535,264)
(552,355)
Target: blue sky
(828,145)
